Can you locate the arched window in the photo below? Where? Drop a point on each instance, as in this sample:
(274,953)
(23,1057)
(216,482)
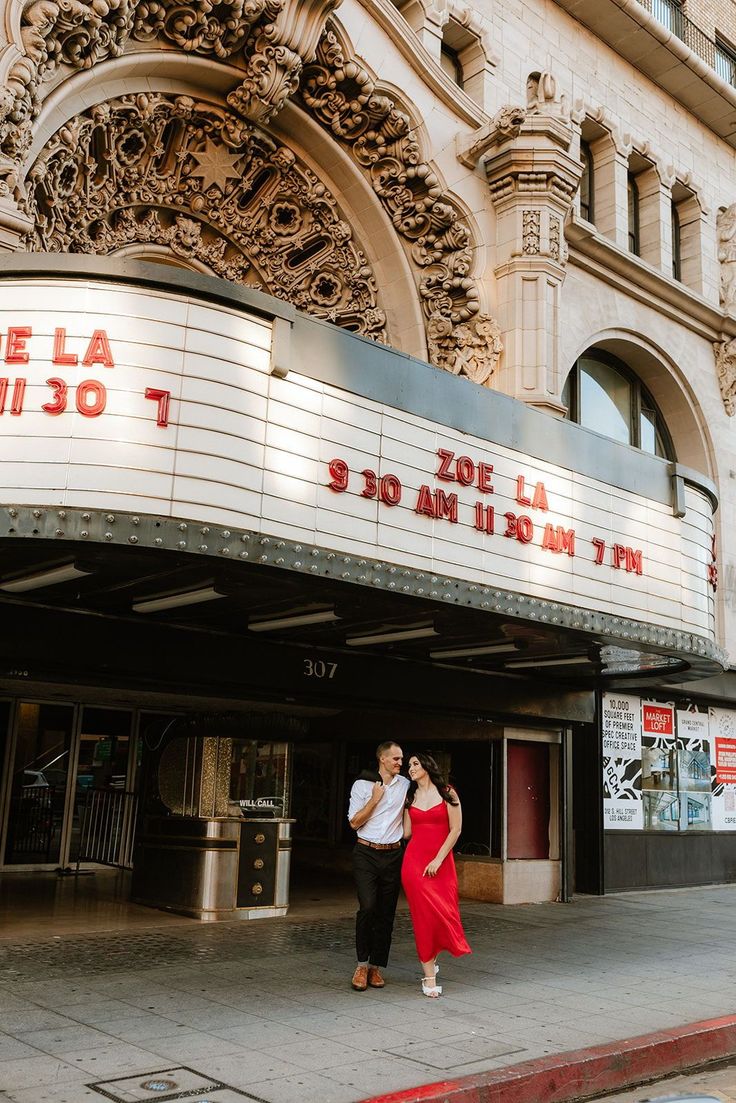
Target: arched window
(602,394)
(587,209)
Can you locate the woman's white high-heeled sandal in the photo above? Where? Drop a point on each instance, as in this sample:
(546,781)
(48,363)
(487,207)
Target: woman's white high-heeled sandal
(431,990)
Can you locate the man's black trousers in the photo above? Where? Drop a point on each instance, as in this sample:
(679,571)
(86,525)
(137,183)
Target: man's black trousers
(377,876)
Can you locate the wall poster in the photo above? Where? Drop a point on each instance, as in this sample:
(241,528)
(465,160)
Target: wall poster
(667,769)
(723,732)
(621,728)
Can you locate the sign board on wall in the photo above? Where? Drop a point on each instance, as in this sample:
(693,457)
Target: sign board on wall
(115,397)
(621,731)
(667,769)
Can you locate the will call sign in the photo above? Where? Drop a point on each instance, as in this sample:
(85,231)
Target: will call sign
(440,504)
(90,395)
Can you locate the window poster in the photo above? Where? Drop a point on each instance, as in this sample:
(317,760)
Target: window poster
(660,798)
(667,769)
(621,721)
(694,771)
(723,736)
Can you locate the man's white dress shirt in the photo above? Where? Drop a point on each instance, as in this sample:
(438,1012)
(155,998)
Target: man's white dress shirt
(386,823)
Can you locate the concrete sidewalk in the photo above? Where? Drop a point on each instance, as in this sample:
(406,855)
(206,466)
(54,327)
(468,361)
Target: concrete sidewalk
(264,1010)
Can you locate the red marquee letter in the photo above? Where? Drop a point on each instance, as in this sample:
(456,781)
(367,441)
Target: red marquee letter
(15,346)
(98,350)
(69,359)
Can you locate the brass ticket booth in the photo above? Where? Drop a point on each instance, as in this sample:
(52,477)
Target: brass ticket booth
(215,839)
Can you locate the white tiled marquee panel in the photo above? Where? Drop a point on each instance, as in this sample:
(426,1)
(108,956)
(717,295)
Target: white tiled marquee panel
(244,448)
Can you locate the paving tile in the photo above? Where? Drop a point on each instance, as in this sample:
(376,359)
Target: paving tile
(141,1027)
(11,1048)
(316,1053)
(20,1022)
(193,1047)
(63,1039)
(261,1034)
(28,1072)
(118,1058)
(305,1085)
(374,1079)
(248,1066)
(71,1092)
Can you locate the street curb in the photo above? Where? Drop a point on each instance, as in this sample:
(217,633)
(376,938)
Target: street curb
(585,1073)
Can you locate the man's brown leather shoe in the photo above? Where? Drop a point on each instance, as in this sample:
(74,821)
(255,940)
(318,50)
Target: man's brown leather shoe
(374,977)
(360,978)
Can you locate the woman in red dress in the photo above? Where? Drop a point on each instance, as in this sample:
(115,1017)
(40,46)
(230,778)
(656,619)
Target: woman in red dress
(432,823)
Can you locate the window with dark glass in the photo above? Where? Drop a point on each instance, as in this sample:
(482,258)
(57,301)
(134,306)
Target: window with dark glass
(669,13)
(603,394)
(725,61)
(633,203)
(676,244)
(450,62)
(586,183)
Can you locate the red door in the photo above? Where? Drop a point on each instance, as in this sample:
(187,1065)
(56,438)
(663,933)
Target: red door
(527,793)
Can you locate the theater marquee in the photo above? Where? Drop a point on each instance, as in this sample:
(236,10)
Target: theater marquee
(117,397)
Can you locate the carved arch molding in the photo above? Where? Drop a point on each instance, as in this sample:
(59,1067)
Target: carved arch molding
(211,186)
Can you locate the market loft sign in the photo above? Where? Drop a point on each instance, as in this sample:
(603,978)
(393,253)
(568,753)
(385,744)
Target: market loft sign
(114,397)
(438,504)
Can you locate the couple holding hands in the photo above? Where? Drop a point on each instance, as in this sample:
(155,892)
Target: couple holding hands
(424,810)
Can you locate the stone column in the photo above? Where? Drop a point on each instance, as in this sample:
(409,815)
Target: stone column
(533,176)
(655,220)
(611,168)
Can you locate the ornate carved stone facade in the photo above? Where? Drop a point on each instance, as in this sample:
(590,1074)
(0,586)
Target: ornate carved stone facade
(214,189)
(345,99)
(726,369)
(533,174)
(726,226)
(269,41)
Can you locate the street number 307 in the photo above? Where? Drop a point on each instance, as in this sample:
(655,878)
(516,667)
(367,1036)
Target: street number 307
(317,668)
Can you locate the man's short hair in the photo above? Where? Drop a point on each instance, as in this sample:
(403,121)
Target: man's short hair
(383,747)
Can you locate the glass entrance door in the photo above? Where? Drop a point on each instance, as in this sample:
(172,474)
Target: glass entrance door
(39,778)
(70,772)
(99,808)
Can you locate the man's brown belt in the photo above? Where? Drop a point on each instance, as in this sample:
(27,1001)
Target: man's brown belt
(379,846)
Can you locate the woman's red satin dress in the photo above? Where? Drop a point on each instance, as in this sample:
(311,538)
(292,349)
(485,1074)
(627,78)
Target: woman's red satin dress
(433,901)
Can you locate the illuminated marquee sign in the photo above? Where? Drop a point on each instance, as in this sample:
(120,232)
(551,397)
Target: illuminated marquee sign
(90,394)
(437,504)
(114,397)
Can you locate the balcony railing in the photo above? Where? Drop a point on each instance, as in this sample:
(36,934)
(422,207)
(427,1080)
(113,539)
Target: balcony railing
(670,14)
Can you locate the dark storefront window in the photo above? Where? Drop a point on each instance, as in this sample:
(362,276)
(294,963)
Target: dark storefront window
(39,775)
(258,777)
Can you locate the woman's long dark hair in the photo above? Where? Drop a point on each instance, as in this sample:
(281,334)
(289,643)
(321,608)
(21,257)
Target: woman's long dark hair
(428,763)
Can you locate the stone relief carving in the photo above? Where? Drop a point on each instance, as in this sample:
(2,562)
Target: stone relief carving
(269,39)
(543,96)
(531,231)
(726,368)
(472,349)
(209,186)
(508,121)
(726,226)
(555,239)
(341,94)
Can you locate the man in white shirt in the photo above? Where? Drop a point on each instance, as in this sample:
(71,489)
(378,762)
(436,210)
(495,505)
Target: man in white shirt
(376,813)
